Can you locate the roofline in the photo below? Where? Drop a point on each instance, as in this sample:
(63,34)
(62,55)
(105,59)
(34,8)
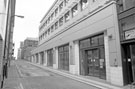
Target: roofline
(49,10)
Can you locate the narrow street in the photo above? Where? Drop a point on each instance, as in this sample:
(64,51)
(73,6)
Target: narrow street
(32,77)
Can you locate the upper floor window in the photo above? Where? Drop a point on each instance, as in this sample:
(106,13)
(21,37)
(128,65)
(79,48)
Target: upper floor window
(128,23)
(48,20)
(61,21)
(61,6)
(125,4)
(56,25)
(52,28)
(74,10)
(84,4)
(67,16)
(49,31)
(45,33)
(56,11)
(52,15)
(66,2)
(128,27)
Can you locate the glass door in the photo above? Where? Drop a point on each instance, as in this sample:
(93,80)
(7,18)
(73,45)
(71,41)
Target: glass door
(93,62)
(96,62)
(90,62)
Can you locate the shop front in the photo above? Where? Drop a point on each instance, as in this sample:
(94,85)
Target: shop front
(63,57)
(127,31)
(92,56)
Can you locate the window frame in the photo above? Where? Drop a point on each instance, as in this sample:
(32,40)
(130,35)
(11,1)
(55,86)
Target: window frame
(72,10)
(67,18)
(85,4)
(61,6)
(61,21)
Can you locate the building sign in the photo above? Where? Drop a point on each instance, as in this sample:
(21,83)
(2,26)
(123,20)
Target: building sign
(130,34)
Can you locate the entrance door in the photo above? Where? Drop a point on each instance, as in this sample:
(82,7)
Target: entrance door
(129,63)
(132,51)
(93,62)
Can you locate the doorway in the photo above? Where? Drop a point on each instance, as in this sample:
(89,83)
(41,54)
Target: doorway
(128,63)
(96,62)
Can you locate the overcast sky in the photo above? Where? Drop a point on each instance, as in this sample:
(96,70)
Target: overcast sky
(33,11)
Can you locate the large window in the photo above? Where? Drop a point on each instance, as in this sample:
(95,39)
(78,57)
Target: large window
(61,21)
(125,4)
(67,16)
(128,27)
(92,53)
(84,4)
(63,52)
(74,10)
(50,57)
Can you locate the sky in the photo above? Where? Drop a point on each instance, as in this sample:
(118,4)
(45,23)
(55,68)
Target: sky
(33,11)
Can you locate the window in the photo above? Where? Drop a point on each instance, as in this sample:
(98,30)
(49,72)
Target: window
(49,31)
(56,25)
(84,4)
(66,2)
(46,34)
(52,15)
(61,6)
(74,10)
(128,27)
(67,16)
(125,4)
(61,21)
(52,28)
(48,20)
(128,23)
(56,11)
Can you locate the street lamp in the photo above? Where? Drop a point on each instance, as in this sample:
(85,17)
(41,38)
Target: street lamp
(9,32)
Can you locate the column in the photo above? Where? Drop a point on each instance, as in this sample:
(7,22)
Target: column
(55,57)
(45,58)
(74,57)
(76,53)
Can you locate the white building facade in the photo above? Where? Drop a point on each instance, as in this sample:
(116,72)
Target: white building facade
(81,37)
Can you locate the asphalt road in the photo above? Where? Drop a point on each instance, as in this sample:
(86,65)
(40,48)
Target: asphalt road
(32,77)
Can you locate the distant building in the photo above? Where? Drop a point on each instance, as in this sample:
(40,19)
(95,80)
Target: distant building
(24,51)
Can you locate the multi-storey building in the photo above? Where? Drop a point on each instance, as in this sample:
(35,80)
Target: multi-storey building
(7,11)
(126,18)
(28,45)
(83,38)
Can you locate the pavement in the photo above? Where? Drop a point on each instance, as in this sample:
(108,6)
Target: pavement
(14,80)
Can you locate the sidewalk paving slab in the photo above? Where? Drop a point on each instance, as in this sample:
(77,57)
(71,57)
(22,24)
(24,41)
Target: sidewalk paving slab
(13,80)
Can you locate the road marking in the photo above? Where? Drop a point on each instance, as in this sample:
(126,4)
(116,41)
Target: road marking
(19,71)
(21,86)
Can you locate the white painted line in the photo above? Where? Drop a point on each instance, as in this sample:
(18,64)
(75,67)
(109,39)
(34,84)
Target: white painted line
(21,86)
(19,71)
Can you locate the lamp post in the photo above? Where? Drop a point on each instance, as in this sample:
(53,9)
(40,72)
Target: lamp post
(7,43)
(9,37)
